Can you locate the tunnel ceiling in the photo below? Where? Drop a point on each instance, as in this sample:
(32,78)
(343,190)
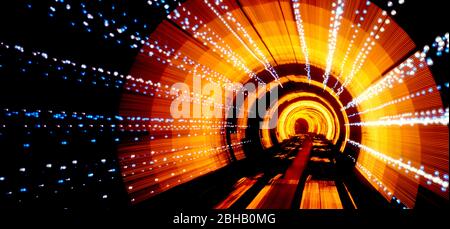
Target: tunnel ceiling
(345,67)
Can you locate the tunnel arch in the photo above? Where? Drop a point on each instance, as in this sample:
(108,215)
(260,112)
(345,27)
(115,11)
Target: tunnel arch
(293,84)
(218,50)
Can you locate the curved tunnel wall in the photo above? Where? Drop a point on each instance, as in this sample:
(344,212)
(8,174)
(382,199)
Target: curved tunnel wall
(394,107)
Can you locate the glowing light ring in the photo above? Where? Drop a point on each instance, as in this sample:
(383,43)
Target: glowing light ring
(378,184)
(335,23)
(426,118)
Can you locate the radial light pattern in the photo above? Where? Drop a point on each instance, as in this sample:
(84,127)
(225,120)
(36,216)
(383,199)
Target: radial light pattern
(345,68)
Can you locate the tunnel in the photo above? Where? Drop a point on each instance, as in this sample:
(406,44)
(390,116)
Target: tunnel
(224,104)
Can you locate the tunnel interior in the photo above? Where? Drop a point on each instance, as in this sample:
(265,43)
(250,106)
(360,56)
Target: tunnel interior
(334,104)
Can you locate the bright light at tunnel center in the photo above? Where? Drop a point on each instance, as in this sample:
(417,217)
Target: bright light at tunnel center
(319,118)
